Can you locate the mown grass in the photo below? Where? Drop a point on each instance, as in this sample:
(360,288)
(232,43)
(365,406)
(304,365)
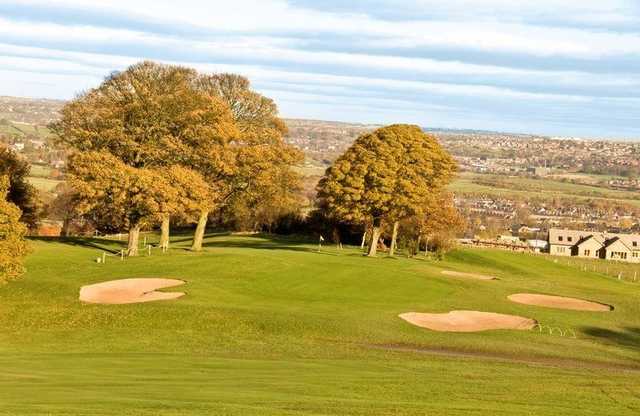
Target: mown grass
(271,326)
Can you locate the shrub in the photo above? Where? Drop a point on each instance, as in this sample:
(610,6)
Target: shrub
(12,244)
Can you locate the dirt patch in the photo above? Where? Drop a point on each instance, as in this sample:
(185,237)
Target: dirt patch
(468,275)
(129,291)
(467,321)
(559,302)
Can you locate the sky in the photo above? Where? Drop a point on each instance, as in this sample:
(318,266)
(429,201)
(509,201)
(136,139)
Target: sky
(553,67)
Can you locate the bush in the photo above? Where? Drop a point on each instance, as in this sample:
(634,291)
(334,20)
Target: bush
(12,244)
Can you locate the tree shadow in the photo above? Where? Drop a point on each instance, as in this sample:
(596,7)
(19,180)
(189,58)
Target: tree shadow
(628,337)
(97,243)
(264,242)
(185,237)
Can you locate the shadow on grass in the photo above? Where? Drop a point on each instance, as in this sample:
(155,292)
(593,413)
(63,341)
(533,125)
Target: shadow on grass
(262,242)
(97,243)
(188,237)
(628,337)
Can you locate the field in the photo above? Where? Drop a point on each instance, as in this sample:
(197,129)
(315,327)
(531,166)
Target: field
(43,184)
(544,188)
(271,326)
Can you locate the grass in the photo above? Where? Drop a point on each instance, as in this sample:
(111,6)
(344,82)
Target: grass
(542,188)
(43,184)
(270,326)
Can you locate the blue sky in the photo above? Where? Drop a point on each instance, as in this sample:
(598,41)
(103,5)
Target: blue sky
(556,67)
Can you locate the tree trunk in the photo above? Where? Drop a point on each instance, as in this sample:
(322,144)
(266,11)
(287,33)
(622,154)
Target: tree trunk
(426,247)
(394,237)
(373,248)
(364,240)
(65,227)
(134,240)
(200,229)
(418,245)
(164,231)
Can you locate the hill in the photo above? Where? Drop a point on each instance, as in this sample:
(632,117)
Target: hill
(273,327)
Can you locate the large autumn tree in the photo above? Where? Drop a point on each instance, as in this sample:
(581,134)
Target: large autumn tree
(152,116)
(20,191)
(263,184)
(12,245)
(386,176)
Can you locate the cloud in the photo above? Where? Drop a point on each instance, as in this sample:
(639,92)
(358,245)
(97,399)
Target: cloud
(545,65)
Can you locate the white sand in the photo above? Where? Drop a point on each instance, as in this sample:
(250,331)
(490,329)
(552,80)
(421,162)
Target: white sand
(467,321)
(468,275)
(559,302)
(129,291)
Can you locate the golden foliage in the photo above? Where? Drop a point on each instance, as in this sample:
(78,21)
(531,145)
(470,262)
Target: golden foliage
(12,244)
(108,188)
(387,175)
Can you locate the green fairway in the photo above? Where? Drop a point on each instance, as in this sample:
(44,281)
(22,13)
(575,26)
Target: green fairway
(271,326)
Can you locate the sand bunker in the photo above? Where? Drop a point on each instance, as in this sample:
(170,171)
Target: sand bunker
(559,302)
(129,291)
(467,321)
(468,275)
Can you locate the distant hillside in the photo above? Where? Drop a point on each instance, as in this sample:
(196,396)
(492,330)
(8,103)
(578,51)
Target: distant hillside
(38,112)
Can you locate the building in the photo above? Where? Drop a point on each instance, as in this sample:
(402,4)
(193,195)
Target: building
(538,246)
(596,245)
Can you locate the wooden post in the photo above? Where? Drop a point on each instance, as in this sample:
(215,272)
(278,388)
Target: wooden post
(149,248)
(104,257)
(122,255)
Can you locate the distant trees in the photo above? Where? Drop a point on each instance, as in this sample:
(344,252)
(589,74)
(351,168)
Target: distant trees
(20,191)
(386,176)
(12,245)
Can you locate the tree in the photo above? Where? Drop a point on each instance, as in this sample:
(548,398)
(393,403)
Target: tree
(20,192)
(151,116)
(129,197)
(386,176)
(263,185)
(63,207)
(440,221)
(193,197)
(12,245)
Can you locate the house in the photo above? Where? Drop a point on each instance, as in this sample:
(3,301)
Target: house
(596,245)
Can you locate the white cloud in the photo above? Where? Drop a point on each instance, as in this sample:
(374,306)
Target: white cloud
(353,57)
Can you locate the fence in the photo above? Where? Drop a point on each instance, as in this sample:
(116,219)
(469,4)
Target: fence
(122,254)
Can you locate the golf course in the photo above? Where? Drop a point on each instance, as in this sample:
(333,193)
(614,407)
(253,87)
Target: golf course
(274,326)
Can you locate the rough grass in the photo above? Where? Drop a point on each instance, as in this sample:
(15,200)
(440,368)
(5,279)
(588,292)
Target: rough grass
(273,327)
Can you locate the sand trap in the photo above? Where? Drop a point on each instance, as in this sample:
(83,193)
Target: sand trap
(468,275)
(129,291)
(559,302)
(467,321)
